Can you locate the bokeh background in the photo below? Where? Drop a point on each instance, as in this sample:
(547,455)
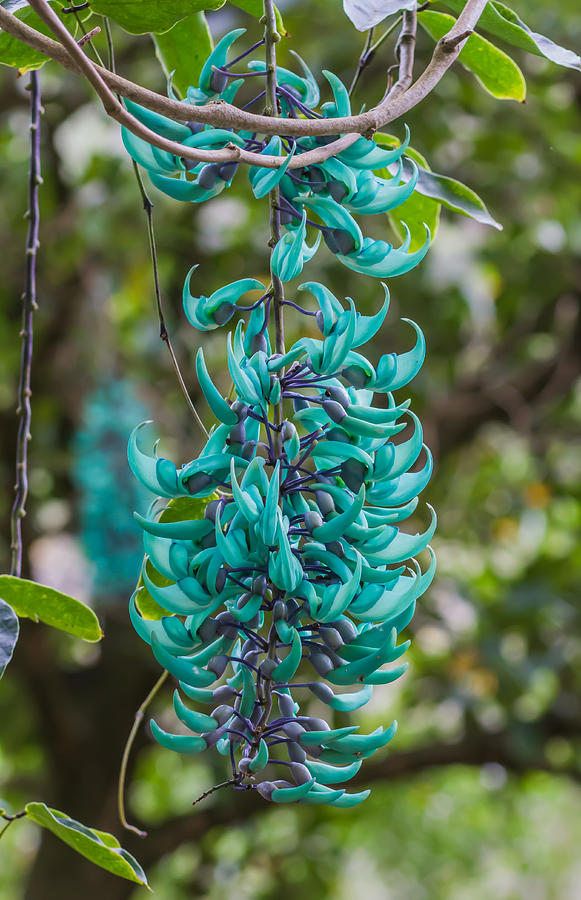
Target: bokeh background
(478,796)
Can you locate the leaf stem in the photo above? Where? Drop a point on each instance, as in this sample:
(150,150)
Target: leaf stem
(9,819)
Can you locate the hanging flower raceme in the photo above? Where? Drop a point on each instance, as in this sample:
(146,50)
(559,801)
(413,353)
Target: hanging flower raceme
(333,190)
(299,576)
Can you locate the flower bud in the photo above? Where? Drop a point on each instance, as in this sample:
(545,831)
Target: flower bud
(331,637)
(224,313)
(267,667)
(339,241)
(218,664)
(325,502)
(334,410)
(208,176)
(322,691)
(300,773)
(265,789)
(296,752)
(312,520)
(227,170)
(199,482)
(211,510)
(353,474)
(339,394)
(218,81)
(356,376)
(241,409)
(286,704)
(279,611)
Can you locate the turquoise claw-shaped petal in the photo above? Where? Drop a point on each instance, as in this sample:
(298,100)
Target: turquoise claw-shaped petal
(180,668)
(259,761)
(292,251)
(319,795)
(181,743)
(248,699)
(336,600)
(288,667)
(318,738)
(284,569)
(264,180)
(353,701)
(208,313)
(382,261)
(396,370)
(366,327)
(216,402)
(387,193)
(153,472)
(364,154)
(365,744)
(217,58)
(143,153)
(341,105)
(184,190)
(195,721)
(335,216)
(292,794)
(330,307)
(386,677)
(306,86)
(326,774)
(347,801)
(174,131)
(335,527)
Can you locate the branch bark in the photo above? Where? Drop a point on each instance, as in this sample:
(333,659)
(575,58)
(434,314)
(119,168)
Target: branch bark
(224,115)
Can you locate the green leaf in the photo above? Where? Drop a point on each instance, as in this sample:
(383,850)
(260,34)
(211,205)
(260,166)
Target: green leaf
(186,509)
(418,209)
(256,8)
(147,606)
(40,603)
(9,630)
(181,509)
(157,16)
(184,49)
(446,191)
(497,72)
(415,212)
(99,847)
(12,51)
(455,196)
(504,23)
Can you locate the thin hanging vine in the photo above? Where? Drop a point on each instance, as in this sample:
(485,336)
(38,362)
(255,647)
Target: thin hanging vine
(29,305)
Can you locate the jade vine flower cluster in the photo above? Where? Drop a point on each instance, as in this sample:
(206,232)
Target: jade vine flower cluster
(332,190)
(296,579)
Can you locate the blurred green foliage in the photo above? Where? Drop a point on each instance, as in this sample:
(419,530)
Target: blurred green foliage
(481,788)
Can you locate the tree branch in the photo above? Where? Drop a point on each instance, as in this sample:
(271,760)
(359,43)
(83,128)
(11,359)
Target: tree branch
(405,52)
(224,115)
